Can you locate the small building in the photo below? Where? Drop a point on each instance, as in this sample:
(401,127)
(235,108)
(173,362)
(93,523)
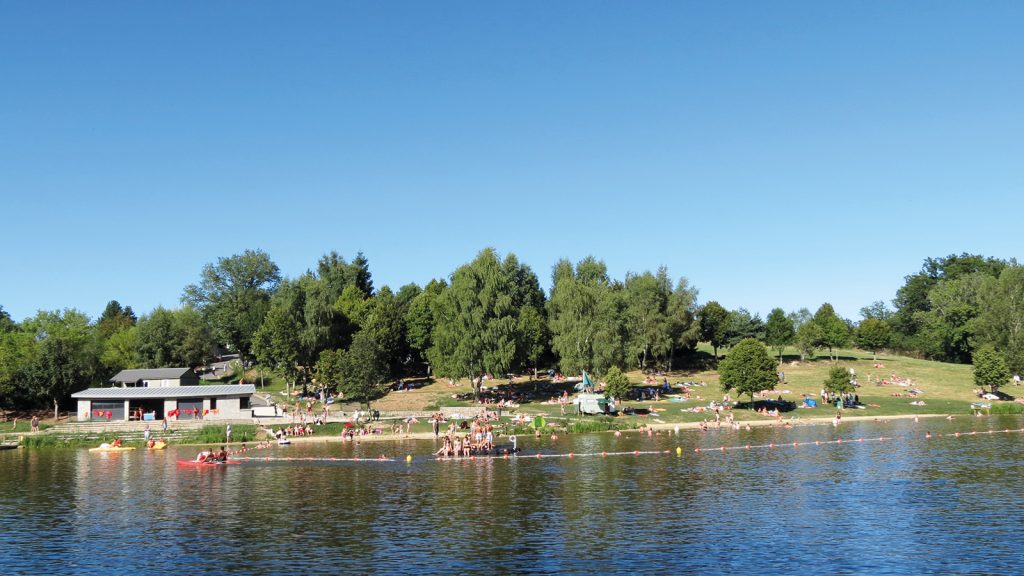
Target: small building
(155,378)
(157,393)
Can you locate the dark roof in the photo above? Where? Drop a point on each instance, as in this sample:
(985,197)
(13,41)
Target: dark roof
(166,392)
(151,374)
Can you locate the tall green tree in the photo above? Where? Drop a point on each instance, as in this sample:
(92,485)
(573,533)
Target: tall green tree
(535,336)
(947,328)
(332,296)
(684,329)
(278,343)
(833,331)
(18,351)
(6,324)
(807,332)
(912,299)
(155,339)
(329,371)
(384,325)
(873,334)
(121,351)
(67,358)
(234,296)
(646,316)
(364,369)
(743,325)
(476,320)
(1000,322)
(166,338)
(989,369)
(193,338)
(779,331)
(714,325)
(877,310)
(114,318)
(748,369)
(419,321)
(584,313)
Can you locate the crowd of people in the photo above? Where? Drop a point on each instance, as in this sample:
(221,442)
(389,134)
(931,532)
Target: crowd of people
(479,440)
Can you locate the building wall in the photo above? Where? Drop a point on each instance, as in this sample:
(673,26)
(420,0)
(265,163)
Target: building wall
(167,383)
(117,408)
(84,410)
(227,409)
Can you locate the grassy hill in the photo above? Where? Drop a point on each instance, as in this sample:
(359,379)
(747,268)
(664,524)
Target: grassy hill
(945,389)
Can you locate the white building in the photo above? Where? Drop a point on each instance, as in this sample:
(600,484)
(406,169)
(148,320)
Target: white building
(154,394)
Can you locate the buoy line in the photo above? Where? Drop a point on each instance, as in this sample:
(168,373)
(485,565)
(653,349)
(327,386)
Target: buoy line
(310,459)
(540,455)
(928,435)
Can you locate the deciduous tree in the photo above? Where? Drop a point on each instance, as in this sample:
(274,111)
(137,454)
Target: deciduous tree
(747,369)
(779,331)
(646,316)
(838,381)
(833,331)
(1000,322)
(234,296)
(989,369)
(684,329)
(584,313)
(714,325)
(873,334)
(476,320)
(67,358)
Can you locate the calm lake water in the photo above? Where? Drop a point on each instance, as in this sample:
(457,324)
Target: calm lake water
(908,505)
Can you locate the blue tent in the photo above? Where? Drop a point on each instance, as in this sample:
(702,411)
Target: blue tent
(586,384)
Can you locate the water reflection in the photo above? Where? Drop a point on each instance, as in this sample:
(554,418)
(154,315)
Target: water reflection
(910,505)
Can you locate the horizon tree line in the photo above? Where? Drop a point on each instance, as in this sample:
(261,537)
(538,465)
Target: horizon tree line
(330,327)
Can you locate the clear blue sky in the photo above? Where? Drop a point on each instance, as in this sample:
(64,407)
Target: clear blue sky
(774,153)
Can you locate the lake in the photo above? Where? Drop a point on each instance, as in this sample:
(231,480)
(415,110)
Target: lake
(904,505)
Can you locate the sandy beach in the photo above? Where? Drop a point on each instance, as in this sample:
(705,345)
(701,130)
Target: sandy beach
(816,421)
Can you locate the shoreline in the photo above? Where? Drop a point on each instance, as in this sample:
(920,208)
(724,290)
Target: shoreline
(815,421)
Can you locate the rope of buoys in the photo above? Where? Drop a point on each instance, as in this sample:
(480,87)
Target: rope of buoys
(928,435)
(381,458)
(569,455)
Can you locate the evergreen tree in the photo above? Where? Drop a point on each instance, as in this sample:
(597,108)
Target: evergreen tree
(617,385)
